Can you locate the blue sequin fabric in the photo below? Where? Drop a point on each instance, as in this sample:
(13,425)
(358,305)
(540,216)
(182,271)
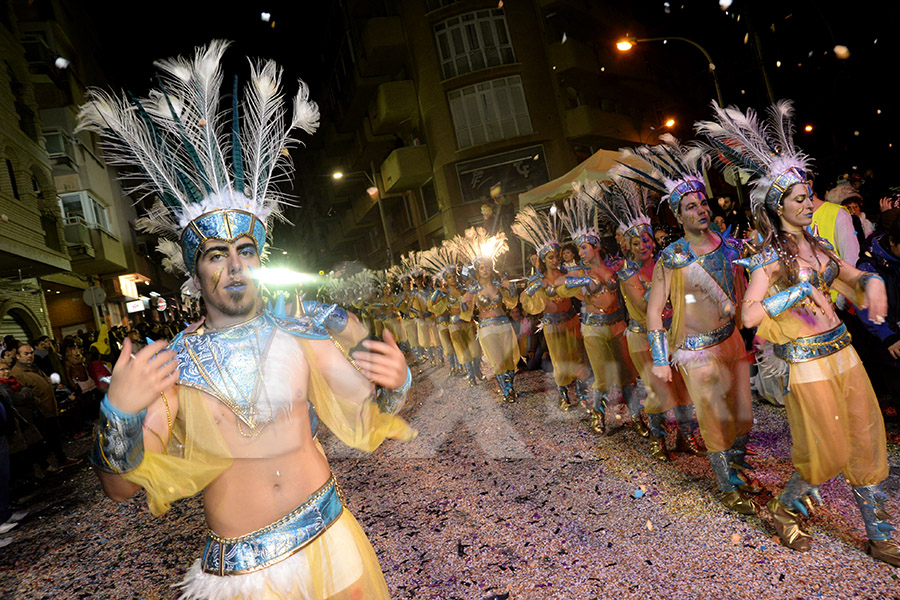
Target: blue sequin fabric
(276,542)
(717,263)
(228,364)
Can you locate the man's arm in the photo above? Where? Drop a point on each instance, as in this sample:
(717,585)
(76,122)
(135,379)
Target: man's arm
(656,333)
(845,237)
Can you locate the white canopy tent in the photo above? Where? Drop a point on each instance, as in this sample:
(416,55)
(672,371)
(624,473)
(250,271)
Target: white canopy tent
(592,169)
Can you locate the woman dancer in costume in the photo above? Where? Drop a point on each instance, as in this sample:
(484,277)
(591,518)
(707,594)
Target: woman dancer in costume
(440,261)
(697,274)
(491,297)
(626,204)
(407,309)
(836,424)
(561,325)
(602,314)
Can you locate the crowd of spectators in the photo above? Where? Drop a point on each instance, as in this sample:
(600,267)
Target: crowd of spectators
(50,393)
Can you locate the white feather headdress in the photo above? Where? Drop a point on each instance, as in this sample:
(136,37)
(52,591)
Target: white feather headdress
(197,159)
(540,229)
(440,260)
(627,202)
(675,170)
(579,213)
(765,149)
(476,245)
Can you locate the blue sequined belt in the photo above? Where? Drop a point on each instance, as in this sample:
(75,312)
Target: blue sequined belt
(589,318)
(557,318)
(443,319)
(699,341)
(492,321)
(275,542)
(455,318)
(814,346)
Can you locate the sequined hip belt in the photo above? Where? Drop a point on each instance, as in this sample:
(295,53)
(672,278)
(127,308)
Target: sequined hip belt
(589,318)
(492,321)
(557,318)
(443,319)
(814,346)
(275,542)
(699,341)
(455,318)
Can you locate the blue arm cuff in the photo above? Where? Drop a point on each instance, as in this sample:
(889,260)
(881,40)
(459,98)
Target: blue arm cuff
(392,401)
(118,439)
(659,347)
(780,302)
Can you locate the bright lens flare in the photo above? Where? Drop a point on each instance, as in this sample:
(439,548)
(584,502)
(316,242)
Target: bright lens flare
(489,248)
(624,45)
(281,276)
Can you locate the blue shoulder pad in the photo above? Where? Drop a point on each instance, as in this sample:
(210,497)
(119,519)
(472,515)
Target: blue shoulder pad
(760,259)
(331,317)
(734,248)
(628,270)
(304,327)
(678,254)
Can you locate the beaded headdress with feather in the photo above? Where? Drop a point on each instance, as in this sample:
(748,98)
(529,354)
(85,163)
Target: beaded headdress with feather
(578,215)
(213,173)
(675,170)
(540,229)
(765,149)
(477,246)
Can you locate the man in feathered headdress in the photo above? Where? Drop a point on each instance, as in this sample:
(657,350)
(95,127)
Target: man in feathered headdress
(561,325)
(697,273)
(626,203)
(603,315)
(232,408)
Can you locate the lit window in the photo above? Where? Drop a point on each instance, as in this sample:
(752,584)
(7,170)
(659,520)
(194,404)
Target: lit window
(488,111)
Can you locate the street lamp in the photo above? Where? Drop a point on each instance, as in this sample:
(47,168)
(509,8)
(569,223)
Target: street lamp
(628,43)
(373,192)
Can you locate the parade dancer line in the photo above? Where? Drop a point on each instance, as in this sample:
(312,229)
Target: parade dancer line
(697,273)
(602,314)
(562,330)
(231,410)
(834,416)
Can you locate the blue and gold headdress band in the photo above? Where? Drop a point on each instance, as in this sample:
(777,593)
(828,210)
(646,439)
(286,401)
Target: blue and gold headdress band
(213,173)
(764,149)
(675,170)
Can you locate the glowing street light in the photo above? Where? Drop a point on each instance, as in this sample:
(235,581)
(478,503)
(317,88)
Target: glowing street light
(670,123)
(624,46)
(337,175)
(808,128)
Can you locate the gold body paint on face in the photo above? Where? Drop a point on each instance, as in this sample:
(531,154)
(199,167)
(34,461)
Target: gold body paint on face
(800,210)
(215,278)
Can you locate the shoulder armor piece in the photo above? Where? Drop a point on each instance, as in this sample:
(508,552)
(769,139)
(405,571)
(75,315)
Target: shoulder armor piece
(305,327)
(766,257)
(628,270)
(678,254)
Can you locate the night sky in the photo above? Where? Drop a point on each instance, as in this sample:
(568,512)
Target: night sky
(838,97)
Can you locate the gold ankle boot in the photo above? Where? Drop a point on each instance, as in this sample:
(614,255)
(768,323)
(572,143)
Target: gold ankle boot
(787,526)
(598,424)
(638,425)
(884,550)
(686,444)
(658,448)
(736,501)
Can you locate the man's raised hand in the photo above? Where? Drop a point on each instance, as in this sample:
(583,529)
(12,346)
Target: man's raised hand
(139,379)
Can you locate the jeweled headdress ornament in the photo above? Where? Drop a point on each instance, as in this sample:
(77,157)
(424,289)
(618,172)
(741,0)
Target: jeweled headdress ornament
(213,173)
(765,149)
(578,214)
(675,170)
(540,229)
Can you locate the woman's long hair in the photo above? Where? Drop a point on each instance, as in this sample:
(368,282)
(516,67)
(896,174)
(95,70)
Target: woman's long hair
(768,224)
